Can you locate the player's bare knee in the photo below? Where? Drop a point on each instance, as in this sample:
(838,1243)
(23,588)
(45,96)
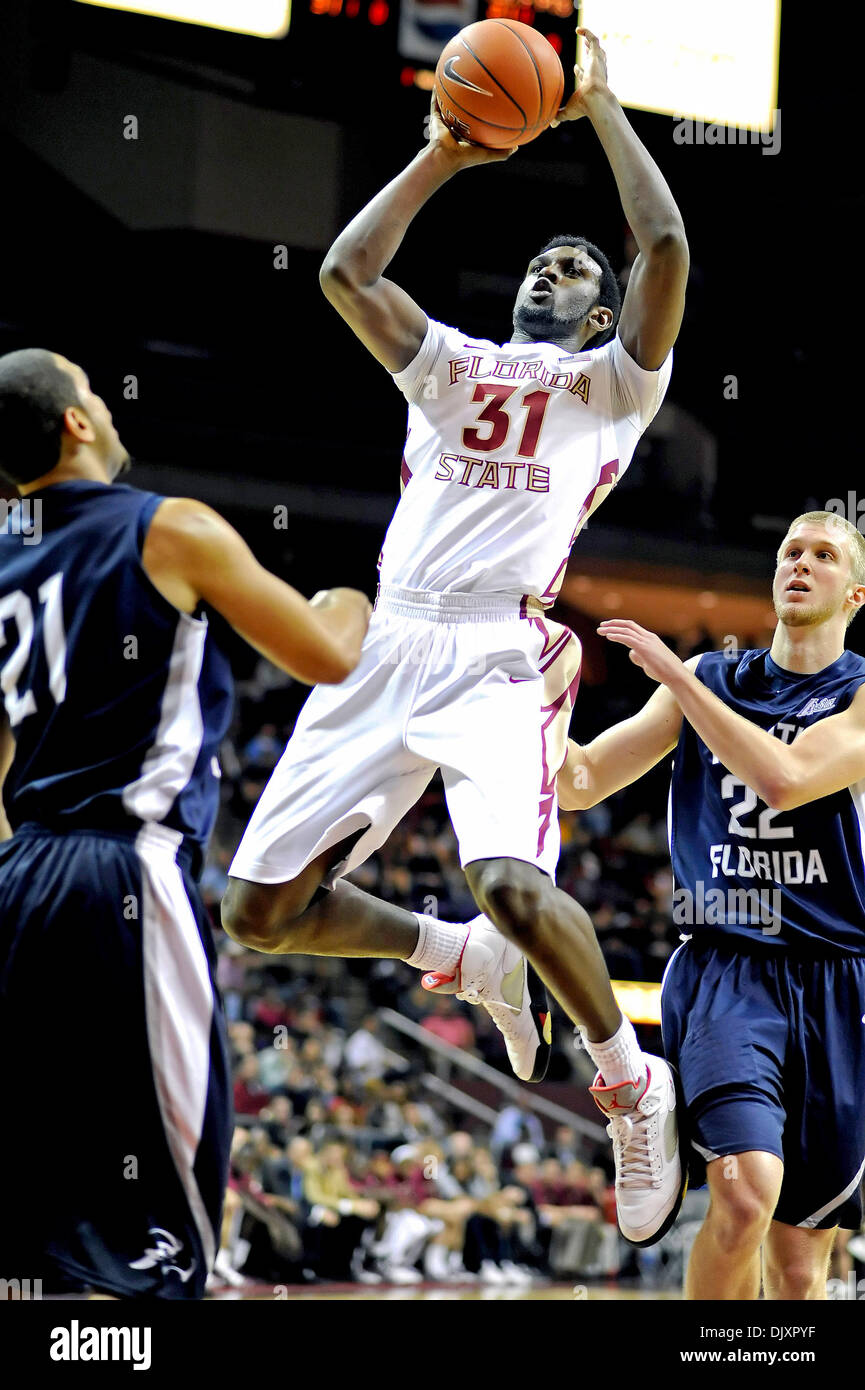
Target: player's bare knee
(512,895)
(253,912)
(740,1213)
(239,919)
(798,1279)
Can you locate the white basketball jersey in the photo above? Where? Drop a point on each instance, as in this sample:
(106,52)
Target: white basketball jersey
(509,450)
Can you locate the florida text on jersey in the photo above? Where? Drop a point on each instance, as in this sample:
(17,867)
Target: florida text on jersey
(792,878)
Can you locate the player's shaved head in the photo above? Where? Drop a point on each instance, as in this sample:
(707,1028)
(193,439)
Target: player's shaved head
(36,388)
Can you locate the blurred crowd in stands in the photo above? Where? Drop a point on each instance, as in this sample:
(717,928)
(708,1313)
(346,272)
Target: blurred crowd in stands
(364,1179)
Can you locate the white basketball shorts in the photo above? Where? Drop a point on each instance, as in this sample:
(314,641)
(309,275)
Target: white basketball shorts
(480,686)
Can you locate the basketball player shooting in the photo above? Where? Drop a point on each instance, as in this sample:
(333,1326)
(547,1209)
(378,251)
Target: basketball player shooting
(763,1004)
(510,449)
(115,703)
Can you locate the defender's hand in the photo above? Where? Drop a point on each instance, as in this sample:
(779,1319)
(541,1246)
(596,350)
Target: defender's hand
(462,153)
(647,649)
(590,79)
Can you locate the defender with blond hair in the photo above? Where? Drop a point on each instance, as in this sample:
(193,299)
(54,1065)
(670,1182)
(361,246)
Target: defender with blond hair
(763,1011)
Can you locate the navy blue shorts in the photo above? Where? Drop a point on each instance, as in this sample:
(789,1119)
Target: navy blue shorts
(770,1049)
(115,1079)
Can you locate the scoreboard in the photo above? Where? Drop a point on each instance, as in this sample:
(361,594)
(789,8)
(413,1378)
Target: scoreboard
(415,31)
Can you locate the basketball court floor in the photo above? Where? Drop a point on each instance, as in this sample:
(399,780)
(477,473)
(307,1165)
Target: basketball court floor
(356,1293)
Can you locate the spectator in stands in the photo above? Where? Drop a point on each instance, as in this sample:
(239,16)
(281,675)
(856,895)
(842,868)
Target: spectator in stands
(501,1232)
(277,1064)
(264,750)
(275,1250)
(241,1036)
(516,1131)
(234,962)
(421,1122)
(336,1211)
(366,1054)
(449,1024)
(269,1012)
(278,1119)
(249,1095)
(565,1146)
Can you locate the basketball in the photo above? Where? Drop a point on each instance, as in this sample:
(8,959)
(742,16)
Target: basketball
(498,83)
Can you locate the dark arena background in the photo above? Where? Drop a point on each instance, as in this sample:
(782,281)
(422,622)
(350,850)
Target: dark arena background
(169,193)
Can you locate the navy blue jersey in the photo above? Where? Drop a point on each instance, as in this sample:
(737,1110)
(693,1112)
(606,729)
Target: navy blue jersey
(777,878)
(118,702)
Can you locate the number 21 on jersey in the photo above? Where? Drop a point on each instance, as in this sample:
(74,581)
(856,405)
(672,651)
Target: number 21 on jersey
(18,607)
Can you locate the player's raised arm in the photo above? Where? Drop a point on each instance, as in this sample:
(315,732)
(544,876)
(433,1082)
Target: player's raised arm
(620,755)
(384,316)
(655,298)
(191,553)
(7,753)
(826,758)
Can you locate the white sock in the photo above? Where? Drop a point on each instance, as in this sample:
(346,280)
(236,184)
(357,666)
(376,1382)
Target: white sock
(620,1058)
(439,945)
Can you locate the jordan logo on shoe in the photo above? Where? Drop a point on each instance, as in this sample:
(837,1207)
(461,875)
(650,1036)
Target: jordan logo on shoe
(613,1104)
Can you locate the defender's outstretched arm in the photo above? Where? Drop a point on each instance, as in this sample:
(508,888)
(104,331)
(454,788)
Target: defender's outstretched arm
(191,553)
(826,758)
(620,755)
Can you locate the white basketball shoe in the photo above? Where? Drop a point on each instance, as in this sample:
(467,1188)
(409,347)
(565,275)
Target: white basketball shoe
(651,1175)
(494,973)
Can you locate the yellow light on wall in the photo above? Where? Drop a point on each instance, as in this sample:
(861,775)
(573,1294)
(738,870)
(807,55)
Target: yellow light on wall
(688,58)
(266,19)
(638,1001)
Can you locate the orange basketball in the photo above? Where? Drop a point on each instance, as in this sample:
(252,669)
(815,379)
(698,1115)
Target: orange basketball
(498,83)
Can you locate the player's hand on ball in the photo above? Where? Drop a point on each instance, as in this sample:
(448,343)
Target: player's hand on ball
(462,152)
(647,649)
(590,79)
